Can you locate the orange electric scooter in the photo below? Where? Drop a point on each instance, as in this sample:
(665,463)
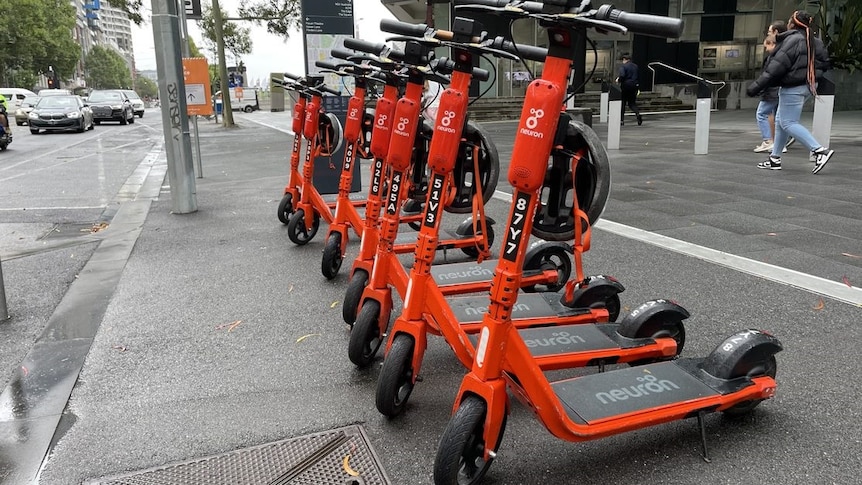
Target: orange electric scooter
(547,265)
(564,336)
(733,379)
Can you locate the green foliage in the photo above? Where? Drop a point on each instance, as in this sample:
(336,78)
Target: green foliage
(280,16)
(237,40)
(842,32)
(105,69)
(38,35)
(145,86)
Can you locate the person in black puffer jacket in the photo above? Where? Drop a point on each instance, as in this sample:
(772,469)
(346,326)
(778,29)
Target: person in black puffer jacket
(798,61)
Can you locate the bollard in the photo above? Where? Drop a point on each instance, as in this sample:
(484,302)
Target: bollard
(4,311)
(701,124)
(615,107)
(824,103)
(603,103)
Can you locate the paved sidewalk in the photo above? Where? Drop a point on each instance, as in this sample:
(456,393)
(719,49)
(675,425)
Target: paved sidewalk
(216,333)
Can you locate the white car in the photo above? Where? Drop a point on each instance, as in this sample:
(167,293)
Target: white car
(137,102)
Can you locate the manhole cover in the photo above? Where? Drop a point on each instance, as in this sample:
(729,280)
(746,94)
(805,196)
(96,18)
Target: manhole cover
(341,456)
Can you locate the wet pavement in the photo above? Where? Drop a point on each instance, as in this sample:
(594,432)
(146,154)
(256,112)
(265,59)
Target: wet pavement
(184,336)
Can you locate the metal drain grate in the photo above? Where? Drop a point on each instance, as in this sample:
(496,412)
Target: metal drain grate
(341,456)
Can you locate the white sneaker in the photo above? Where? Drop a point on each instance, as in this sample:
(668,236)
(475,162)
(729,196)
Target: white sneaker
(763,147)
(789,142)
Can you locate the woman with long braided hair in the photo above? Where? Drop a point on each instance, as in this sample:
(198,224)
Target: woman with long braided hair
(797,63)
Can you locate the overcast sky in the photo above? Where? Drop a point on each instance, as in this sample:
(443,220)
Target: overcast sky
(269,53)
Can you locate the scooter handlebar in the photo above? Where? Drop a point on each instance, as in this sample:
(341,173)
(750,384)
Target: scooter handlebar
(329,90)
(364,46)
(292,76)
(529,52)
(326,65)
(341,54)
(652,25)
(403,28)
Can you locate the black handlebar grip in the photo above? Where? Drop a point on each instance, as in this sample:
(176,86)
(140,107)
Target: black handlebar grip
(292,76)
(341,53)
(528,52)
(486,3)
(326,65)
(640,23)
(403,28)
(329,90)
(481,74)
(364,46)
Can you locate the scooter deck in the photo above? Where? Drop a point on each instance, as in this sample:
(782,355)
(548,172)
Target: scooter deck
(462,273)
(471,309)
(597,397)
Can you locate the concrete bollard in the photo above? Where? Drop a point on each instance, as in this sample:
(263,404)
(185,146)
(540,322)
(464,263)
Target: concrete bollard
(603,103)
(615,106)
(823,107)
(701,124)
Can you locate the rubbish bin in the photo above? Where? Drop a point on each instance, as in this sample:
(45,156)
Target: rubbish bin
(218,107)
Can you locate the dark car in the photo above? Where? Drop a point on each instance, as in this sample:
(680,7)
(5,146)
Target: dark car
(111,105)
(60,113)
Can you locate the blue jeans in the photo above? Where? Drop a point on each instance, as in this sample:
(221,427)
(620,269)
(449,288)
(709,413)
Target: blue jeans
(764,109)
(790,101)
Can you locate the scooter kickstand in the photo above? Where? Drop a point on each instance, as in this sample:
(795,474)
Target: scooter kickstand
(702,425)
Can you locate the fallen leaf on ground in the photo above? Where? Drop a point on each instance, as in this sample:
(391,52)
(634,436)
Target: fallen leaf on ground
(300,339)
(820,305)
(851,255)
(345,463)
(846,281)
(98,227)
(290,288)
(771,234)
(230,326)
(334,304)
(121,348)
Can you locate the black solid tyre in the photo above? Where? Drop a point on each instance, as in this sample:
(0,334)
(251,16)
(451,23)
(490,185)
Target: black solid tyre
(459,458)
(296,228)
(473,251)
(355,288)
(657,327)
(248,109)
(331,261)
(768,368)
(593,185)
(395,383)
(555,258)
(285,208)
(83,126)
(365,338)
(489,166)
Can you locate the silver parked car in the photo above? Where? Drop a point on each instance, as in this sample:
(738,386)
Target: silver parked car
(137,102)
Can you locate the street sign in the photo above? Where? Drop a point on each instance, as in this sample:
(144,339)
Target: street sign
(193,9)
(196,77)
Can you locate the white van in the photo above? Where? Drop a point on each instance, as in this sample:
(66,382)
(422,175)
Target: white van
(244,99)
(15,96)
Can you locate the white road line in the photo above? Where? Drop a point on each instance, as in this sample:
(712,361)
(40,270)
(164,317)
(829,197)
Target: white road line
(789,277)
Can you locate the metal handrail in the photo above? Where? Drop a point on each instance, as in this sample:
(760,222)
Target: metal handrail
(721,84)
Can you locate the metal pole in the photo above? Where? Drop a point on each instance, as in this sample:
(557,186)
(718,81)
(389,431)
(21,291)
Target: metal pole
(823,107)
(172,91)
(615,115)
(4,311)
(187,52)
(603,103)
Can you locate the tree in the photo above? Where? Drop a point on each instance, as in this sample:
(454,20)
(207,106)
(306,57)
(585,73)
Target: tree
(145,86)
(236,39)
(39,35)
(105,69)
(842,31)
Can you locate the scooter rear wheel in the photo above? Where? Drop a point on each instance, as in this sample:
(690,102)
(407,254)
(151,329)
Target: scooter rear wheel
(355,288)
(296,230)
(460,454)
(331,261)
(285,208)
(768,368)
(395,383)
(365,337)
(473,251)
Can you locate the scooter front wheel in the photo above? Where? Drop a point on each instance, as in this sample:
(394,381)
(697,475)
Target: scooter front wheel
(550,257)
(460,455)
(395,383)
(285,208)
(331,261)
(473,251)
(296,230)
(355,288)
(365,337)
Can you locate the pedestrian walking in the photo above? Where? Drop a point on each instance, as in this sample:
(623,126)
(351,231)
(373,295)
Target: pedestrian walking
(628,81)
(768,104)
(798,61)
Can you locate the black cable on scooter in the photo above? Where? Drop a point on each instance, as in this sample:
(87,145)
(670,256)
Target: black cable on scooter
(590,75)
(492,82)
